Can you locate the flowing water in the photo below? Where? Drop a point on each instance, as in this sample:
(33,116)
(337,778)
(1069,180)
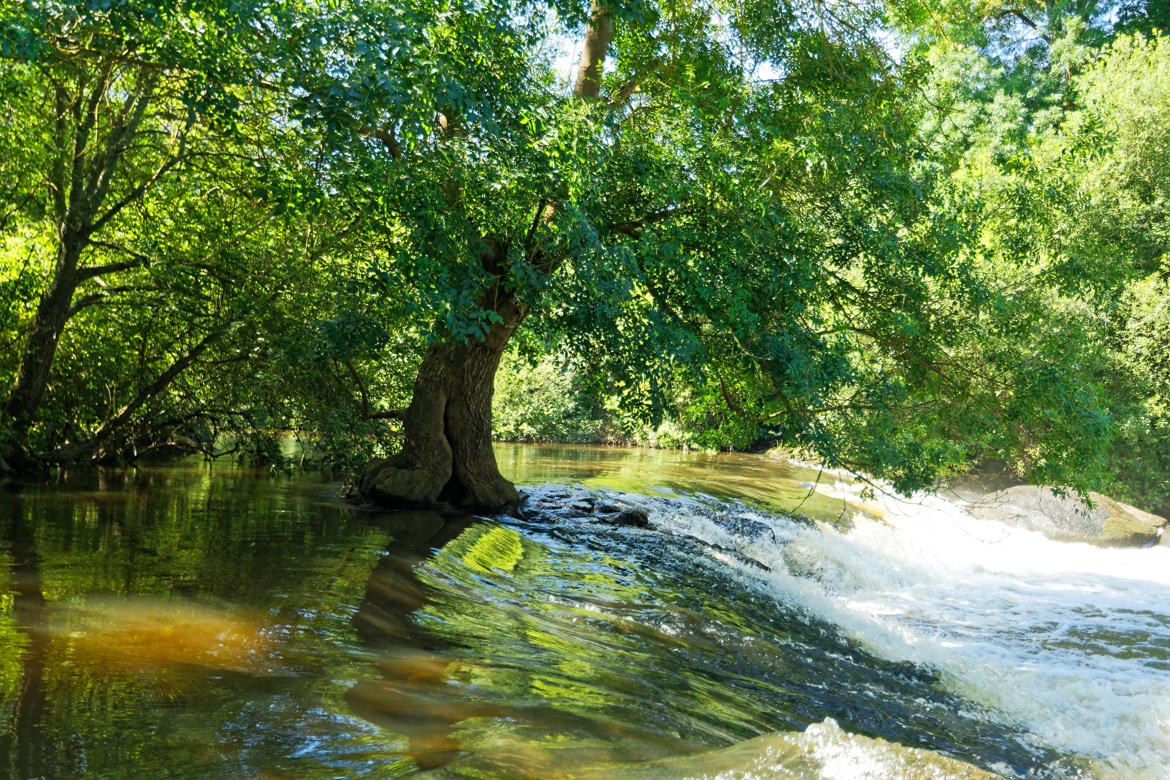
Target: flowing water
(182,621)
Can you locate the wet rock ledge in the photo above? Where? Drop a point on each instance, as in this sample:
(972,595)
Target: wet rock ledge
(567,504)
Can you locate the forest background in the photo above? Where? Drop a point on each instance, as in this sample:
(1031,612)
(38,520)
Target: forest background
(905,238)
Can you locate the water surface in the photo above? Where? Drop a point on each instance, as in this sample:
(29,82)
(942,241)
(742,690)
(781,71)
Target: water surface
(193,622)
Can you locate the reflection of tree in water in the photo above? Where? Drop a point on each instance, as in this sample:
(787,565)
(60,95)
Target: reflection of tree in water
(23,742)
(432,684)
(146,619)
(413,663)
(466,651)
(516,653)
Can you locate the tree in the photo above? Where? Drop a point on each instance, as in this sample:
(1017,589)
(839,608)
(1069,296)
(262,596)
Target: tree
(729,192)
(1114,153)
(733,197)
(162,202)
(1064,151)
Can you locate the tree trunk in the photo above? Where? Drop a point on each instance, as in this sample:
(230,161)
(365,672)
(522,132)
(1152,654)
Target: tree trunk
(597,39)
(36,361)
(447,456)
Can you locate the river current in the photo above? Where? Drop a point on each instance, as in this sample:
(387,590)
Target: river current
(193,622)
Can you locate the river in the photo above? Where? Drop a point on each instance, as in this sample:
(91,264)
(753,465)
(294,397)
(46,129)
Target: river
(188,621)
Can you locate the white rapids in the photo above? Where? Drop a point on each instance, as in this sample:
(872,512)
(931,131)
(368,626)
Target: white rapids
(1069,641)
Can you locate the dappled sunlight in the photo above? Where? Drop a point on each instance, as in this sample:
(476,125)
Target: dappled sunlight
(276,276)
(576,650)
(778,484)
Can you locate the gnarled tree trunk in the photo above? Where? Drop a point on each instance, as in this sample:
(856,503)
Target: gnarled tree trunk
(447,455)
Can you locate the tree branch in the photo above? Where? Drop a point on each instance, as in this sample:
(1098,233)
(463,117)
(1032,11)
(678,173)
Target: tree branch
(731,402)
(633,228)
(135,261)
(387,137)
(60,129)
(597,39)
(627,90)
(102,296)
(1017,13)
(544,214)
(393,414)
(81,138)
(134,194)
(125,125)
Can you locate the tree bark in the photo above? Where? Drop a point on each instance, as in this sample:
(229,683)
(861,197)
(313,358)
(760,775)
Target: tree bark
(36,360)
(447,456)
(597,40)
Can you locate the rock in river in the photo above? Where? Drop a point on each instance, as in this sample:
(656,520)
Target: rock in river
(1107,522)
(632,517)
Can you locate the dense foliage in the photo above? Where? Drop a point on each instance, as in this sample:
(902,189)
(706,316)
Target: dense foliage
(1050,133)
(904,238)
(1057,128)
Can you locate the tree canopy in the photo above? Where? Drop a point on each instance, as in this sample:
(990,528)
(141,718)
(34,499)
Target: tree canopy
(898,237)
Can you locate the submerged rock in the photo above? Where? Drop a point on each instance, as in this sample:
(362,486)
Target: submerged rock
(746,527)
(1107,522)
(632,518)
(580,504)
(823,751)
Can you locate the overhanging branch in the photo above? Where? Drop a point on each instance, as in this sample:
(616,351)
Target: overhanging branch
(1018,14)
(367,414)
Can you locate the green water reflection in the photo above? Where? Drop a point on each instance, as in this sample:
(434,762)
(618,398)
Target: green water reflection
(181,622)
(769,482)
(193,622)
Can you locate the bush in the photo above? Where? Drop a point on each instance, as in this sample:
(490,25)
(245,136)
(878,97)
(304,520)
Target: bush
(542,401)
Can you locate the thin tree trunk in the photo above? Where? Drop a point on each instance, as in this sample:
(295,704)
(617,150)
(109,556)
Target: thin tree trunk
(40,347)
(92,446)
(82,173)
(74,211)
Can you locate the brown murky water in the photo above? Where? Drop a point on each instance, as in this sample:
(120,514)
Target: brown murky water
(192,622)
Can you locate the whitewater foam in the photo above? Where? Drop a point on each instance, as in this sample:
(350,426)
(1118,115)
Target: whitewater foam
(1068,641)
